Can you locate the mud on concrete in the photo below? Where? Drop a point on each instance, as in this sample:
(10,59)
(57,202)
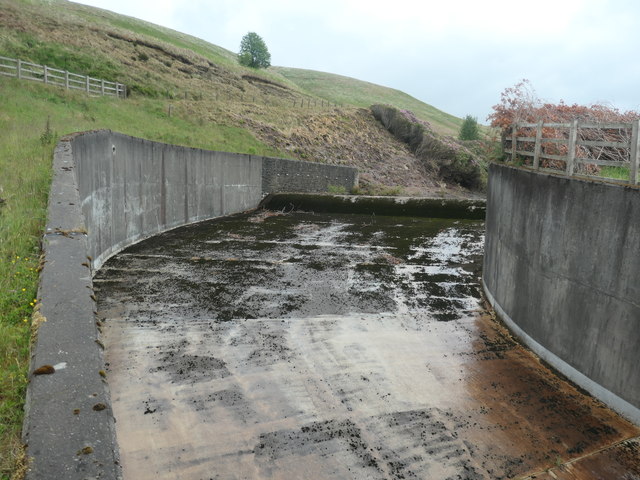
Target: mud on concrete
(344,346)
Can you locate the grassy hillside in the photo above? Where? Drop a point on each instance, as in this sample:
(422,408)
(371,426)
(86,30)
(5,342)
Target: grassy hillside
(161,62)
(182,90)
(350,91)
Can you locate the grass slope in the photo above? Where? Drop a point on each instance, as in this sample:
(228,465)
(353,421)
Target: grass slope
(346,90)
(183,91)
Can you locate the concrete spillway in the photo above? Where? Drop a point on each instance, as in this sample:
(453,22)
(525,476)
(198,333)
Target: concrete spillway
(344,346)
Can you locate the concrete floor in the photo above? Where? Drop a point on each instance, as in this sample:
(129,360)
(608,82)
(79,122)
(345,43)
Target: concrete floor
(309,346)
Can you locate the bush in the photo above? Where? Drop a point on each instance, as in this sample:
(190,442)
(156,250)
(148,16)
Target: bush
(469,129)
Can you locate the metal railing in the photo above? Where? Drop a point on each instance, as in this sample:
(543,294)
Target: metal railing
(11,67)
(578,148)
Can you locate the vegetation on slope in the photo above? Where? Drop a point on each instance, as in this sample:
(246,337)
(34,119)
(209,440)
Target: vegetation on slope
(346,90)
(183,91)
(442,156)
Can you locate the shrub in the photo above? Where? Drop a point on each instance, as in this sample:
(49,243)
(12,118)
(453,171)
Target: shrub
(520,104)
(469,129)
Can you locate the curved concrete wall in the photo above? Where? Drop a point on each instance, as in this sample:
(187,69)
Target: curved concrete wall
(109,191)
(562,268)
(132,188)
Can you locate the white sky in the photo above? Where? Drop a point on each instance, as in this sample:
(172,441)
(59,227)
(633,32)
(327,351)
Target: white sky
(457,55)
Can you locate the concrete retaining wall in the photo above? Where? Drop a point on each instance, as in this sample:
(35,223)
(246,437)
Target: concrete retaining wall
(562,268)
(132,188)
(109,191)
(281,175)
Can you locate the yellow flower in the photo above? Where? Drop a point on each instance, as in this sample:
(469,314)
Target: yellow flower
(24,289)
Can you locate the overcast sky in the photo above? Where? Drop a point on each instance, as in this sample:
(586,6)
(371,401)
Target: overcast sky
(457,55)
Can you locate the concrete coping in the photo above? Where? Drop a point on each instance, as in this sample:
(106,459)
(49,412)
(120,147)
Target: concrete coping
(69,427)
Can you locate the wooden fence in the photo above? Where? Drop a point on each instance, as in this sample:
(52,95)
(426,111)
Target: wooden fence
(575,148)
(11,67)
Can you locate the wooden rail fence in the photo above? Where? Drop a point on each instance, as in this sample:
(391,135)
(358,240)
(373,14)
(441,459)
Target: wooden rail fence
(576,146)
(11,67)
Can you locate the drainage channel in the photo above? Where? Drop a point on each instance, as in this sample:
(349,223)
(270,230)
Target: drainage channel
(277,345)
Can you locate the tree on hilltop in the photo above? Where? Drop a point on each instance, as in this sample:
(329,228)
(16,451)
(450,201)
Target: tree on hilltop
(253,52)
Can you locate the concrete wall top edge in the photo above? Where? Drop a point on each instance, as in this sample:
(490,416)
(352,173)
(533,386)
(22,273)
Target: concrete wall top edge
(577,178)
(72,136)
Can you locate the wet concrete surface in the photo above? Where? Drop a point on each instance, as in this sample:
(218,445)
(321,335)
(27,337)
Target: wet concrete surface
(269,346)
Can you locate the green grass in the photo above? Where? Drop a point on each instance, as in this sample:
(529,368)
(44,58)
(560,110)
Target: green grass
(350,91)
(618,173)
(26,149)
(28,47)
(214,53)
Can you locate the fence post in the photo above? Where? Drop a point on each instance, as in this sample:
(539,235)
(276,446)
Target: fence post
(538,147)
(87,82)
(19,69)
(571,146)
(102,87)
(514,141)
(66,80)
(635,153)
(46,79)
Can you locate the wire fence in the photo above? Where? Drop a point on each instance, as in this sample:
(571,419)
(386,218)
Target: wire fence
(11,67)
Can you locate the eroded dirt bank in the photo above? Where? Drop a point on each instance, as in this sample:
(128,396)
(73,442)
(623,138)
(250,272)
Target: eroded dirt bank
(342,346)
